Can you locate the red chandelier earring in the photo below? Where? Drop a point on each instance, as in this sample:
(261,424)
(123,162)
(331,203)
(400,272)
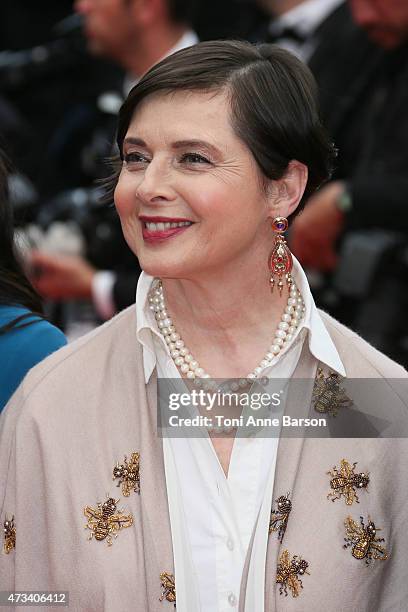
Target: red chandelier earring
(280,260)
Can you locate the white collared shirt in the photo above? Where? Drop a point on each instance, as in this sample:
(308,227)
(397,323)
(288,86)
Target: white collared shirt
(212,516)
(304,19)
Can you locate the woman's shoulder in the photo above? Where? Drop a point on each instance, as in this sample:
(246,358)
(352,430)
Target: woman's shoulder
(360,359)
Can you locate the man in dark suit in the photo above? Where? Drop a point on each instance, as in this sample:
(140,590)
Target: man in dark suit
(135,35)
(353,231)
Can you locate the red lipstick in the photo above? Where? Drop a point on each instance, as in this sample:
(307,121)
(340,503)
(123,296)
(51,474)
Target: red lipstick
(156,236)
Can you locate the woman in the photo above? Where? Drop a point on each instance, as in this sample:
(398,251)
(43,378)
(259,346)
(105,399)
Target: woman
(218,142)
(25,337)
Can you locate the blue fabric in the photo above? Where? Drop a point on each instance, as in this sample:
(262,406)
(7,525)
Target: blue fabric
(21,349)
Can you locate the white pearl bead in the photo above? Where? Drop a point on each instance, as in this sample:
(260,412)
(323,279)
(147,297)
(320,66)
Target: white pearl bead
(165,331)
(298,308)
(199,372)
(251,375)
(299,301)
(283,326)
(280,333)
(188,357)
(184,352)
(270,355)
(289,337)
(257,370)
(275,349)
(156,300)
(152,307)
(293,293)
(286,317)
(190,374)
(184,368)
(174,336)
(167,322)
(278,341)
(156,307)
(291,329)
(178,361)
(289,309)
(172,329)
(175,353)
(179,344)
(295,321)
(168,340)
(160,324)
(194,364)
(264,363)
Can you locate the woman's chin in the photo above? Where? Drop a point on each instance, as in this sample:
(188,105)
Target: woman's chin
(161,269)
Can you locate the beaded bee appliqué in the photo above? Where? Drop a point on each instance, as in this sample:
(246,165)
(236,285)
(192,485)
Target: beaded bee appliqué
(9,530)
(288,573)
(364,540)
(279,517)
(345,481)
(106,520)
(328,396)
(127,474)
(168,588)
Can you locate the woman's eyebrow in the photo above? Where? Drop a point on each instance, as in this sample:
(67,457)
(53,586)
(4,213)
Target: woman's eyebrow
(178,144)
(182,144)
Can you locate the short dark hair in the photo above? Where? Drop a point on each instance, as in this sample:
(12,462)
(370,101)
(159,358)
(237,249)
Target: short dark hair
(273,99)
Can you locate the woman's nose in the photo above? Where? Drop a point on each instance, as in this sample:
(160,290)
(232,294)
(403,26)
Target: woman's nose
(155,185)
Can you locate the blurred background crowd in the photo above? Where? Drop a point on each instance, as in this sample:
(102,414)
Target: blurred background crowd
(65,68)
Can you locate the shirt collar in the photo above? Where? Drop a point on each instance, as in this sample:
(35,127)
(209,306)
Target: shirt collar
(306,17)
(320,343)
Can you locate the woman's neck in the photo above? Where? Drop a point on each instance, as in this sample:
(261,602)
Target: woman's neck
(227,321)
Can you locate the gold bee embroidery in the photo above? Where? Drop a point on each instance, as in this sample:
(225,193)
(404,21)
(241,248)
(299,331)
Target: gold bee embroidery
(288,572)
(345,481)
(364,540)
(9,535)
(106,520)
(128,474)
(279,518)
(328,397)
(168,588)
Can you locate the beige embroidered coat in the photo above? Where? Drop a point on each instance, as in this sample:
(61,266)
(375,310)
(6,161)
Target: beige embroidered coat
(87,406)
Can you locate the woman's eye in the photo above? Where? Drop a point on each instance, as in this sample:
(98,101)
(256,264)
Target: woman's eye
(135,158)
(194,158)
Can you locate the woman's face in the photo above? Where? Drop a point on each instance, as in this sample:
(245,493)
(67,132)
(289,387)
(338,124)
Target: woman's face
(184,164)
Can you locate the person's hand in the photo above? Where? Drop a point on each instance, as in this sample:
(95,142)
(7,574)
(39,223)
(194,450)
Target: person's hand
(314,232)
(61,277)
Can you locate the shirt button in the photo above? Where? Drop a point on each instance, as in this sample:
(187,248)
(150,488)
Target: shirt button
(230,544)
(232,600)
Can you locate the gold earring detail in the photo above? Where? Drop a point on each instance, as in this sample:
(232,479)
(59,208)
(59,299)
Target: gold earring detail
(280,261)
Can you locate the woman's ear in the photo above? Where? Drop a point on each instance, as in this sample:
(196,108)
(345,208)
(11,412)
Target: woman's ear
(287,191)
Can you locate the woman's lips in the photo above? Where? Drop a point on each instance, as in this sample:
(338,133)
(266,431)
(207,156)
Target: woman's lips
(161,235)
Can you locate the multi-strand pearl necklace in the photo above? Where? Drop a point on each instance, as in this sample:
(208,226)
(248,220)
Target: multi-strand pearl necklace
(184,360)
